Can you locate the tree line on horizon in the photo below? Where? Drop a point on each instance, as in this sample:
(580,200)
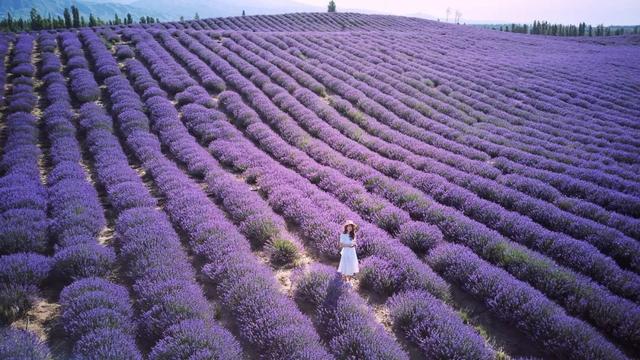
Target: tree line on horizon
(70,18)
(582,29)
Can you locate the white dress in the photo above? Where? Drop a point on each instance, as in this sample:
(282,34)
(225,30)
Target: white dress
(348,259)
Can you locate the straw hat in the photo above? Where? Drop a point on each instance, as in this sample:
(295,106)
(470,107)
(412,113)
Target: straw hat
(349,222)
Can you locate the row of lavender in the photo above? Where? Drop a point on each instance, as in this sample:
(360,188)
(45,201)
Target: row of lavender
(492,76)
(603,320)
(229,146)
(579,188)
(460,74)
(23,206)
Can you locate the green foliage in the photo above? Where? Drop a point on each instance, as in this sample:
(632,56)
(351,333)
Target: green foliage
(282,252)
(71,18)
(332,6)
(582,29)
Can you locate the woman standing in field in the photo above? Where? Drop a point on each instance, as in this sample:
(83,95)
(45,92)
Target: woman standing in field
(348,258)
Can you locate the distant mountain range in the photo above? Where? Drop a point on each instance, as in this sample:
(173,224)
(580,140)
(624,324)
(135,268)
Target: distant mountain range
(104,10)
(166,10)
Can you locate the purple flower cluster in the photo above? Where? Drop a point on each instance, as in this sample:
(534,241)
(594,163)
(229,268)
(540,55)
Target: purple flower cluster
(246,287)
(350,329)
(505,151)
(609,199)
(437,330)
(97,315)
(124,52)
(21,276)
(495,136)
(399,124)
(22,344)
(521,305)
(462,94)
(89,306)
(244,164)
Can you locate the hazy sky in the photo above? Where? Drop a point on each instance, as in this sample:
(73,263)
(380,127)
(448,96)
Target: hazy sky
(608,12)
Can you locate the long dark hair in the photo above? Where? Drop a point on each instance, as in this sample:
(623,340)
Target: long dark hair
(352,233)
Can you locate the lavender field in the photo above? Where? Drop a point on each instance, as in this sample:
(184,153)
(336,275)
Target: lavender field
(176,191)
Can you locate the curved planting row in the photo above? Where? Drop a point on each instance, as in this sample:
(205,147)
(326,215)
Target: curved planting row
(246,287)
(293,66)
(582,126)
(403,86)
(499,97)
(77,218)
(438,333)
(515,301)
(470,106)
(623,329)
(97,318)
(348,324)
(345,318)
(625,204)
(166,296)
(238,201)
(543,191)
(625,154)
